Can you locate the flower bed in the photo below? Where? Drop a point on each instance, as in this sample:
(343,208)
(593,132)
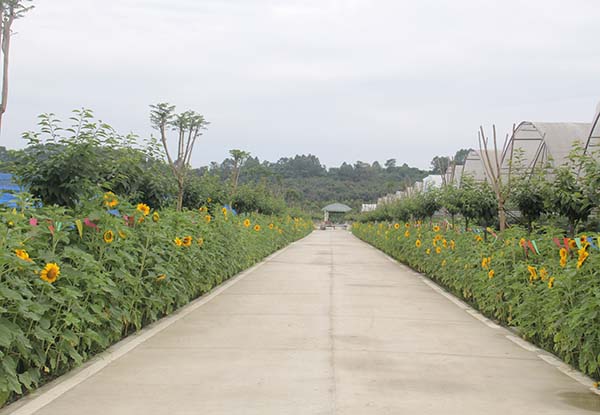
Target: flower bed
(72,286)
(548,288)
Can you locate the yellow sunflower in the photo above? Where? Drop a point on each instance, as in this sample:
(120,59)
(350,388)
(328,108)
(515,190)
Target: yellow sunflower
(247,223)
(396,226)
(203,209)
(122,235)
(491,274)
(21,253)
(144,208)
(187,241)
(428,251)
(110,200)
(438,250)
(207,218)
(271,226)
(257,227)
(155,217)
(418,243)
(50,272)
(109,237)
(551,282)
(178,241)
(224,210)
(436,228)
(200,241)
(533,275)
(407,234)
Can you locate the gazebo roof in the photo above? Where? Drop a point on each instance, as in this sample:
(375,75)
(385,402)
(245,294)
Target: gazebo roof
(337,208)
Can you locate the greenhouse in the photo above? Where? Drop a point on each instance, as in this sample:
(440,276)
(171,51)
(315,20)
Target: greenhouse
(474,166)
(593,141)
(532,144)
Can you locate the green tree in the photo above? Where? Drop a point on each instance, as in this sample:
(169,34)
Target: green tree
(239,157)
(64,166)
(189,126)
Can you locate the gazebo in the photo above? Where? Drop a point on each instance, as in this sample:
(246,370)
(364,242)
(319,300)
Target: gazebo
(335,208)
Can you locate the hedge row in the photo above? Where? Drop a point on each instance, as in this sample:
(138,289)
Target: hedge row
(551,295)
(72,286)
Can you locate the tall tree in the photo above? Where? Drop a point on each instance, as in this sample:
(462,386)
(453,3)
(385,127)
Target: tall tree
(10,10)
(188,125)
(491,158)
(239,158)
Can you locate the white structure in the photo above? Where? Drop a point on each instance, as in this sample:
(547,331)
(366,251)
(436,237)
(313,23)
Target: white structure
(534,144)
(593,140)
(474,166)
(368,207)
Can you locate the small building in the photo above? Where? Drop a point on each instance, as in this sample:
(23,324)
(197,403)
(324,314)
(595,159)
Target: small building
(335,208)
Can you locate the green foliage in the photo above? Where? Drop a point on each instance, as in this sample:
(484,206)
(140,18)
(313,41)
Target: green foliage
(117,274)
(551,304)
(67,165)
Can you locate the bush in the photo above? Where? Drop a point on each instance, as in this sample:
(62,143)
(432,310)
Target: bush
(70,286)
(552,298)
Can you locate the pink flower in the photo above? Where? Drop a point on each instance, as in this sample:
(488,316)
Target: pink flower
(33,222)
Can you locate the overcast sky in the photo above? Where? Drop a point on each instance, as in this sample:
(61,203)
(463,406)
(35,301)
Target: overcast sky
(346,80)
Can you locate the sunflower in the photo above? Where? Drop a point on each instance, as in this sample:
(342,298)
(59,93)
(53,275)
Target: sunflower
(551,282)
(532,272)
(257,227)
(110,200)
(563,261)
(438,250)
(428,251)
(406,234)
(563,253)
(209,200)
(178,241)
(207,218)
(478,238)
(271,226)
(144,208)
(155,217)
(407,225)
(436,228)
(491,274)
(444,263)
(452,244)
(247,223)
(583,254)
(109,237)
(418,243)
(50,272)
(224,210)
(543,274)
(203,209)
(21,253)
(187,241)
(572,244)
(122,235)
(445,243)
(200,241)
(522,242)
(396,226)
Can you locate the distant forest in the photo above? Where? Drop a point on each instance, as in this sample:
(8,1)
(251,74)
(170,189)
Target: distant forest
(303,181)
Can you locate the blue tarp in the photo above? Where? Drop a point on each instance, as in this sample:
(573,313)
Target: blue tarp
(7,190)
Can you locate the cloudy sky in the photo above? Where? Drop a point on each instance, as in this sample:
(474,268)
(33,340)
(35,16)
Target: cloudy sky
(346,80)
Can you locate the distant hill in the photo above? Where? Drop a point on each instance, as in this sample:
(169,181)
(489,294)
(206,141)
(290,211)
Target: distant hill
(303,180)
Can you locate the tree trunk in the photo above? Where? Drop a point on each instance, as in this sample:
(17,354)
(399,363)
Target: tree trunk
(5,52)
(501,215)
(179,195)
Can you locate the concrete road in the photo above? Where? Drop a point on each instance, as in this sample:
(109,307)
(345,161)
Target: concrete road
(330,326)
